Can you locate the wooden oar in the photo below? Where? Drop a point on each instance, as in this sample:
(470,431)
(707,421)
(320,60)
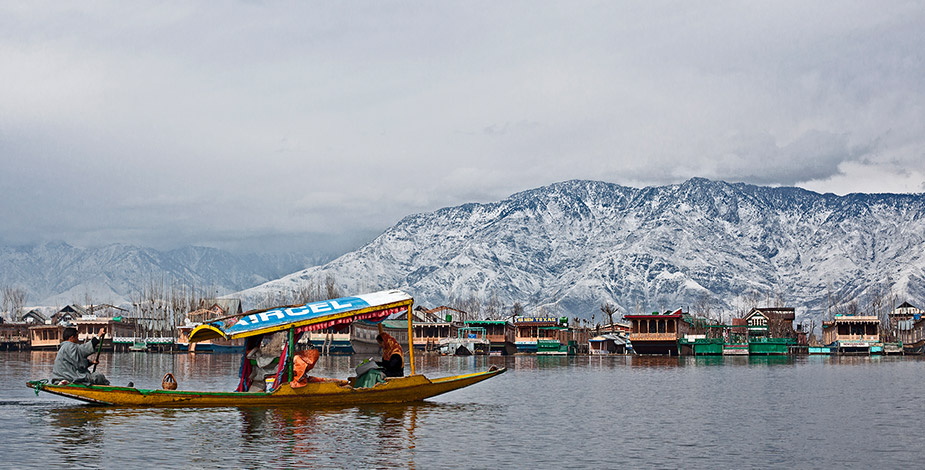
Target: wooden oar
(99,349)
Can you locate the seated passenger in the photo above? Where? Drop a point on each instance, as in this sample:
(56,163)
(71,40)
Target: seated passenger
(392,361)
(264,361)
(303,362)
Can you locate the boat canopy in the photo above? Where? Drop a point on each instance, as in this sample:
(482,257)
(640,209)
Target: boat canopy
(309,317)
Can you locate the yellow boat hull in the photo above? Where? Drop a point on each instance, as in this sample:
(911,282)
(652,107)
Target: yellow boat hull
(394,390)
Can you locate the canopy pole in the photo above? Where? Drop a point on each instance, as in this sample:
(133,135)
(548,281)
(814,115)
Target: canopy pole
(290,354)
(410,341)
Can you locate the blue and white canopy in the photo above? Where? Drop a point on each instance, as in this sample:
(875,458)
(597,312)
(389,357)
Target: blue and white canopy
(313,316)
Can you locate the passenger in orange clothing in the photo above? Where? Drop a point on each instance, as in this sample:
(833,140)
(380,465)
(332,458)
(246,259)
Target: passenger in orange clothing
(392,361)
(303,361)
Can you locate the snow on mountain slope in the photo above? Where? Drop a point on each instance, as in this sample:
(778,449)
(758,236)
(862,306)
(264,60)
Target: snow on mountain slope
(568,247)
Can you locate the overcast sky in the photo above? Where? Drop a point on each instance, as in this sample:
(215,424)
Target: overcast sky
(283,125)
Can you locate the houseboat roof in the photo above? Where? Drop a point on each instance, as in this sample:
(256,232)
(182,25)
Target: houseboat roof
(675,314)
(617,339)
(776,313)
(852,319)
(536,320)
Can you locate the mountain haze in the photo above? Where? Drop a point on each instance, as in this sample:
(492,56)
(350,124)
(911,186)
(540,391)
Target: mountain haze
(57,273)
(566,248)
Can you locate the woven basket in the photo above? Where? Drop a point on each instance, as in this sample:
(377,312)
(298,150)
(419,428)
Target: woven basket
(169,383)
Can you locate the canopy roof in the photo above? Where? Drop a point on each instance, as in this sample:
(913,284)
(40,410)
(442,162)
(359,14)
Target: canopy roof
(312,316)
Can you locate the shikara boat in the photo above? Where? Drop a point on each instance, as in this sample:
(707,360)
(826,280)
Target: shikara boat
(294,320)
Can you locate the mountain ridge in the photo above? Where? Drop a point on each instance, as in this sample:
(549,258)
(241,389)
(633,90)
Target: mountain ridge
(572,245)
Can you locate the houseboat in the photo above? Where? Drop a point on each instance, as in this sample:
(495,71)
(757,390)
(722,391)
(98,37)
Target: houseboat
(529,331)
(331,341)
(658,334)
(14,335)
(908,322)
(607,344)
(49,335)
(700,345)
(852,334)
(363,335)
(469,341)
(770,330)
(428,335)
(500,334)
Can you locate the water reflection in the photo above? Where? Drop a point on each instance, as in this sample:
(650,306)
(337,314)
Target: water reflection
(655,361)
(771,360)
(379,436)
(77,431)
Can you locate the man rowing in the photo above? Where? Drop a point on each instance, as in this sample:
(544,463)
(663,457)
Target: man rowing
(72,364)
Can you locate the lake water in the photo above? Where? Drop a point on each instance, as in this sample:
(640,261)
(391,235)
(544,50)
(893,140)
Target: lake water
(547,412)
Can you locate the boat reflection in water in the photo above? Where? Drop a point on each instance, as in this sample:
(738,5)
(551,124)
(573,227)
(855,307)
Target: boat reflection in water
(655,361)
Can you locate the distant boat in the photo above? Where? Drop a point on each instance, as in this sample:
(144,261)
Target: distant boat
(138,346)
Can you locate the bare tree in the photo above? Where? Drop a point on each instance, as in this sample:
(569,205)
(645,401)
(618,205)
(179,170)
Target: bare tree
(493,310)
(330,287)
(14,298)
(702,307)
(609,309)
(470,306)
(517,310)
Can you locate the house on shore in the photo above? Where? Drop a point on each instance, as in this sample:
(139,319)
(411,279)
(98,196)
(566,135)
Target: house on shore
(34,317)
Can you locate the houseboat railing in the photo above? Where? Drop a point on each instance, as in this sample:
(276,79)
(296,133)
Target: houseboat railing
(653,336)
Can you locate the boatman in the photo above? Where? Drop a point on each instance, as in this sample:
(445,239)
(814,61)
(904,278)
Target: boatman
(72,365)
(392,362)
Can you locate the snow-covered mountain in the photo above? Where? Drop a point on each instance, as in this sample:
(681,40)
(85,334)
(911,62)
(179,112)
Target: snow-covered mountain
(566,248)
(57,273)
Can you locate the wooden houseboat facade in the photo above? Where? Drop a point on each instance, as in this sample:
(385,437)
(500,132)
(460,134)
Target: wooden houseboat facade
(658,334)
(852,334)
(530,332)
(499,333)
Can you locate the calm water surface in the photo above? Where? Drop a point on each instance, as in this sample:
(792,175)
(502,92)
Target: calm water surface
(581,412)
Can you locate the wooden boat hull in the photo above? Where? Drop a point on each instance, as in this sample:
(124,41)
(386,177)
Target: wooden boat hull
(394,390)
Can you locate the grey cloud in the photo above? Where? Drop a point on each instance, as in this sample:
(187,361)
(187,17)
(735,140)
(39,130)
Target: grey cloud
(202,123)
(812,155)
